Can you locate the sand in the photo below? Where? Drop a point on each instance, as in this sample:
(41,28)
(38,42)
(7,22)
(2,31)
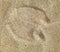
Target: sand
(30,26)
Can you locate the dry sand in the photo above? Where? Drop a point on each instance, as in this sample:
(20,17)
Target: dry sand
(29,25)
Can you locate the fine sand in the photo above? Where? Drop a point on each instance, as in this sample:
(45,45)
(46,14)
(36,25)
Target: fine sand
(30,26)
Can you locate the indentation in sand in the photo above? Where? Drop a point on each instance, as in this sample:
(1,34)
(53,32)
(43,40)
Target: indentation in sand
(25,21)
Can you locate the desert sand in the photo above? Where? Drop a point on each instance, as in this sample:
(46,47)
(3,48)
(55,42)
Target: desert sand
(29,25)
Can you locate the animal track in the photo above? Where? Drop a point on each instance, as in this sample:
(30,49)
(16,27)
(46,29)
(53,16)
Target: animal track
(22,22)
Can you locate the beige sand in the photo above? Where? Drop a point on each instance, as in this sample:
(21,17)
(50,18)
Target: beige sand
(29,25)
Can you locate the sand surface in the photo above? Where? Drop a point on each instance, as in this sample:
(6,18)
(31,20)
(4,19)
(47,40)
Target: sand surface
(29,25)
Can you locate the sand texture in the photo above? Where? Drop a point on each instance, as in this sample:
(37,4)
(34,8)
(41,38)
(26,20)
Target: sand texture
(29,25)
